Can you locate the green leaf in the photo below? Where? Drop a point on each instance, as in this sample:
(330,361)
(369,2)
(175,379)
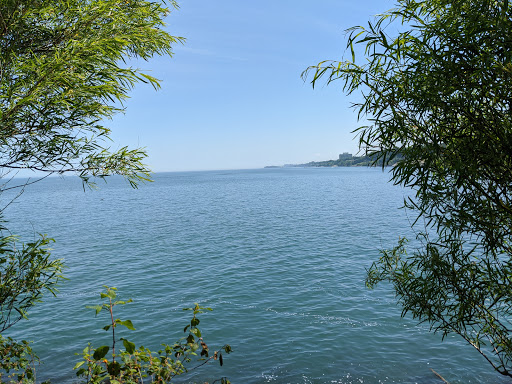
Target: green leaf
(78,365)
(129,346)
(114,368)
(100,352)
(22,313)
(97,308)
(111,293)
(127,323)
(196,332)
(122,302)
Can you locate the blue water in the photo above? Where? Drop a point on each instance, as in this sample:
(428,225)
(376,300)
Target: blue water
(279,254)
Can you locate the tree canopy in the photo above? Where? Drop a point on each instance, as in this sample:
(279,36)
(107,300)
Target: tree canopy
(65,70)
(436,86)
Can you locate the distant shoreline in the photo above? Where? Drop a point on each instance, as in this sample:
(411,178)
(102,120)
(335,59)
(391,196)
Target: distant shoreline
(345,160)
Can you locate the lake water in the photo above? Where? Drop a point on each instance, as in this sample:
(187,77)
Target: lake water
(279,254)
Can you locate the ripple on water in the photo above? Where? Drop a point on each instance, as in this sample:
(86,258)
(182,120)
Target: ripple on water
(279,254)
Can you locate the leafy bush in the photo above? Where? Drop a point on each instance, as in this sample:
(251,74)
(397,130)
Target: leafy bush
(134,365)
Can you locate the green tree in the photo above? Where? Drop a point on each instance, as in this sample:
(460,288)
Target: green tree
(65,70)
(436,86)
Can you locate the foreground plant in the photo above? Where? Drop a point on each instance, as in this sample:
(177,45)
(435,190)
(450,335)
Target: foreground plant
(436,82)
(17,361)
(26,272)
(64,73)
(141,365)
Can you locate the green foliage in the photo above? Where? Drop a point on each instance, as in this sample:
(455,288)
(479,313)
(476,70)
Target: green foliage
(25,273)
(17,361)
(139,365)
(436,90)
(63,72)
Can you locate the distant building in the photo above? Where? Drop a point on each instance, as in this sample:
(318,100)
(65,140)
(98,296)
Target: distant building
(345,156)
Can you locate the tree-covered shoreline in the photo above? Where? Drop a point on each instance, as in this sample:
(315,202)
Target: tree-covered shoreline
(345,160)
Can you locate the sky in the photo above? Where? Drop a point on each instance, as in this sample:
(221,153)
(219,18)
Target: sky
(232,96)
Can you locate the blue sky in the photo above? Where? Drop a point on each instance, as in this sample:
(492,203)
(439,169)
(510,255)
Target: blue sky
(232,96)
